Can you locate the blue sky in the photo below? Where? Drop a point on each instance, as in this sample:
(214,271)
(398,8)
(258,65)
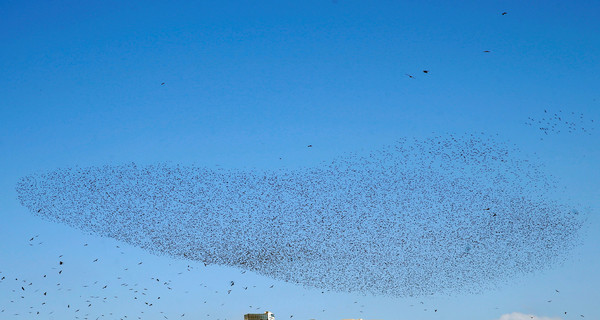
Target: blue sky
(247,83)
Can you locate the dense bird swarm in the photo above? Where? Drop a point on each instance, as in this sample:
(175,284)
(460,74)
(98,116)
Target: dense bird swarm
(419,217)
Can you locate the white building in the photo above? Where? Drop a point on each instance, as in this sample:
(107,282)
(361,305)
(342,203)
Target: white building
(260,316)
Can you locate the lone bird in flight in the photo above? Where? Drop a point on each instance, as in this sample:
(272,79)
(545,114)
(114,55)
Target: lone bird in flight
(504,13)
(410,76)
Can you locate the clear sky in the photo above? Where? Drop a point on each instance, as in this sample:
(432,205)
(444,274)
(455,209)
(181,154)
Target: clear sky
(241,84)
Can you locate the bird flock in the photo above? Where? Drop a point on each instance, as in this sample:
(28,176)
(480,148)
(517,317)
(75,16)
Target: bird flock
(47,294)
(566,122)
(452,213)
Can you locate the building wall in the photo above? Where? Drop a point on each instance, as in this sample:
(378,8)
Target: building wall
(260,316)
